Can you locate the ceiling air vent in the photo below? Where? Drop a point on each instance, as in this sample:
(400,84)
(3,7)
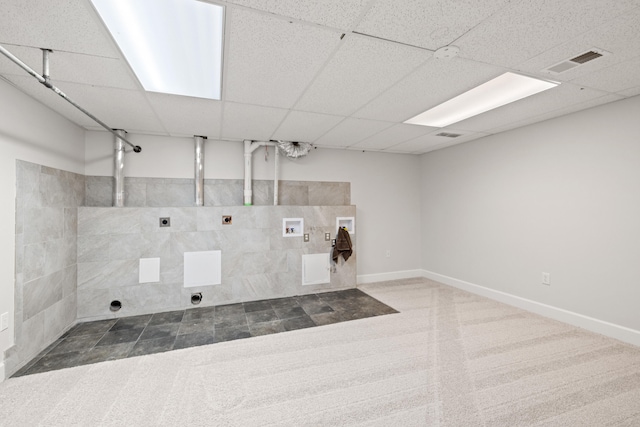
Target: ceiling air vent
(449,135)
(569,64)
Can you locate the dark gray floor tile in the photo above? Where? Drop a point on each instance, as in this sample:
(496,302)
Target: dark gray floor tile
(230,334)
(111,339)
(284,302)
(91,328)
(266,328)
(160,331)
(194,340)
(193,326)
(133,322)
(166,317)
(79,343)
(199,313)
(261,316)
(56,361)
(157,345)
(223,310)
(120,336)
(230,320)
(107,352)
(321,319)
(316,308)
(298,323)
(307,299)
(257,306)
(290,312)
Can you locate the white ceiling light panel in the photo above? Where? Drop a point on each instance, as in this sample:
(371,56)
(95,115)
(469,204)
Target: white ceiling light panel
(503,90)
(173,46)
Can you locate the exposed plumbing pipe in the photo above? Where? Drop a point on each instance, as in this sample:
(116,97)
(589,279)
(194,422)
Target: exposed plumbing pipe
(275,177)
(249,148)
(199,169)
(118,169)
(46,82)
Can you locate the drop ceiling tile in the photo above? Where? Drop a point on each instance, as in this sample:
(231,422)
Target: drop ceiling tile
(428,24)
(617,78)
(548,101)
(270,61)
(526,29)
(305,127)
(70,26)
(187,116)
(362,69)
(619,37)
(242,121)
(630,92)
(393,136)
(333,13)
(433,83)
(605,99)
(118,108)
(37,91)
(351,131)
(432,141)
(71,67)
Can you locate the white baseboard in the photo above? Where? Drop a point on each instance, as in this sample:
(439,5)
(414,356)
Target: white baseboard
(383,277)
(612,330)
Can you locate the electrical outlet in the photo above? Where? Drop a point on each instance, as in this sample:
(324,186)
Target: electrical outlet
(388,253)
(4,321)
(306,237)
(546,279)
(327,237)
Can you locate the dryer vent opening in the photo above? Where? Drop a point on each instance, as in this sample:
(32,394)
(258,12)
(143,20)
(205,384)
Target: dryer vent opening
(196,298)
(115,305)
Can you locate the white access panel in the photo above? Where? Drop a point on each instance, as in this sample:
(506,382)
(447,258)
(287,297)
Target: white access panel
(202,268)
(149,270)
(316,269)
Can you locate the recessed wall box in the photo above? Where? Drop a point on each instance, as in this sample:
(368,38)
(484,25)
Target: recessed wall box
(165,222)
(347,222)
(292,227)
(226,220)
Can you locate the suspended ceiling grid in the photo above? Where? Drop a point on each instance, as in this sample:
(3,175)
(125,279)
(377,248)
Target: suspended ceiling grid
(289,72)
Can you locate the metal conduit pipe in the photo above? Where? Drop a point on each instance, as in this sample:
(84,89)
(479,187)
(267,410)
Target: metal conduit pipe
(199,169)
(275,177)
(45,81)
(118,170)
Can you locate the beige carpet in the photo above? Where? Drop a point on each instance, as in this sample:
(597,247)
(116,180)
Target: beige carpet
(449,358)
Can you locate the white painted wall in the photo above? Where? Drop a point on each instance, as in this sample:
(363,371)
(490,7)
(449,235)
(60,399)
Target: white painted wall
(384,187)
(28,131)
(562,197)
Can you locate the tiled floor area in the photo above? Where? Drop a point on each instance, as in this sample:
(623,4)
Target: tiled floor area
(102,340)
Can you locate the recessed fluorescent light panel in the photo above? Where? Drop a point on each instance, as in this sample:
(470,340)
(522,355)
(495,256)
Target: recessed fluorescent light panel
(173,46)
(495,93)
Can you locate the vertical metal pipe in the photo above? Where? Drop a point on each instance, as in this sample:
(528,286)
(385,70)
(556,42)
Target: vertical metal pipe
(247,173)
(118,170)
(199,169)
(276,176)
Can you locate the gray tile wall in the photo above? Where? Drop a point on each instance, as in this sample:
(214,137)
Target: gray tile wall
(257,261)
(159,192)
(74,257)
(47,203)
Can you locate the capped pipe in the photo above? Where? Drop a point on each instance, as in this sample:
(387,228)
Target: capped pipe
(275,177)
(199,169)
(118,169)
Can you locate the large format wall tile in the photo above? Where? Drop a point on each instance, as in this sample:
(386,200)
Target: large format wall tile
(258,262)
(180,192)
(46,250)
